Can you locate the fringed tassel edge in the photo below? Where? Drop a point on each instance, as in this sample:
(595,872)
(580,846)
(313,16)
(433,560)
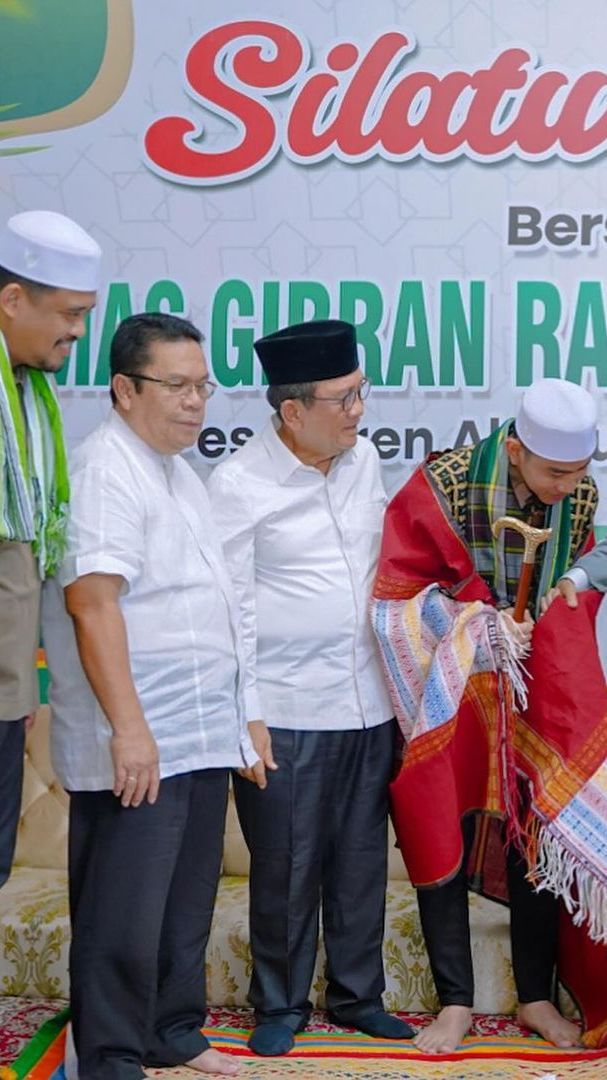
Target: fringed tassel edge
(511,655)
(555,868)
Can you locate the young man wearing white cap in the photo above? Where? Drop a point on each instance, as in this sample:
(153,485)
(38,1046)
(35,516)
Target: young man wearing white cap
(300,509)
(458,770)
(49,271)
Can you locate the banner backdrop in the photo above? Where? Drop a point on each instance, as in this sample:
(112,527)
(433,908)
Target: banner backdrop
(432,171)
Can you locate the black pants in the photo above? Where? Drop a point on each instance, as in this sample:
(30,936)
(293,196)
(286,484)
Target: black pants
(318,830)
(12,741)
(533,933)
(142,889)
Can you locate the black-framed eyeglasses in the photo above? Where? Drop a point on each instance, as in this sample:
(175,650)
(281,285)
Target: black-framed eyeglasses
(348,401)
(178,387)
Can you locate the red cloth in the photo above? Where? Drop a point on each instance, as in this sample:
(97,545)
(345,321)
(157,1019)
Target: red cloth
(565,727)
(558,744)
(453,768)
(421,545)
(561,740)
(582,967)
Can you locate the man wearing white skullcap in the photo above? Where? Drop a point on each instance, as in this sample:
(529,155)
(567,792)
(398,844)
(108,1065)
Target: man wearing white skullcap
(438,556)
(557,421)
(49,269)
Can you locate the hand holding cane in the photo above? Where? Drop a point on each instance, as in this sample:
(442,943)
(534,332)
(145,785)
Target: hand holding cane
(533,538)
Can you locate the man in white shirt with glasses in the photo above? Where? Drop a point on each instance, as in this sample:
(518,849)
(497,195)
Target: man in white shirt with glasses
(300,511)
(147,718)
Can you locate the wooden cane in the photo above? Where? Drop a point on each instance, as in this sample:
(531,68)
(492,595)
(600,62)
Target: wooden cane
(533,538)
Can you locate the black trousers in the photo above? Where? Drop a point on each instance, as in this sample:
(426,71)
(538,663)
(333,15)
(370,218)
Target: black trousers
(142,889)
(12,742)
(319,830)
(533,933)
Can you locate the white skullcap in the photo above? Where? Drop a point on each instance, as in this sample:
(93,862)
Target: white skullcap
(557,420)
(50,249)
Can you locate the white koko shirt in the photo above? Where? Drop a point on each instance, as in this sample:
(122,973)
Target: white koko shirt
(302,550)
(147,518)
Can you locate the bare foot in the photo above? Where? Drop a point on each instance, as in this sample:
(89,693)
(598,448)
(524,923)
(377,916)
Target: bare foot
(546,1020)
(213,1061)
(445,1033)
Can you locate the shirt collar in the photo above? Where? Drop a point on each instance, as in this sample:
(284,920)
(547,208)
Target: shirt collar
(137,444)
(285,462)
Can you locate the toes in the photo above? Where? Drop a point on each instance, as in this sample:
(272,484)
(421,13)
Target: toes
(213,1062)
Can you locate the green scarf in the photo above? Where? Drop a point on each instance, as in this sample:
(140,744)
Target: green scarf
(487,491)
(34,484)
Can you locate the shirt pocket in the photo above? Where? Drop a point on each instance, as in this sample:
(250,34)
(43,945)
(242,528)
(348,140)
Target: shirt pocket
(364,524)
(366,516)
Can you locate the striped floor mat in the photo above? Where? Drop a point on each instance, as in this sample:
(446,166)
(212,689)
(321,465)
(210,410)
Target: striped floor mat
(339,1055)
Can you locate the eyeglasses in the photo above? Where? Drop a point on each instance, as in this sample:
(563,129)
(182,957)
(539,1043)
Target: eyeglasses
(348,401)
(178,387)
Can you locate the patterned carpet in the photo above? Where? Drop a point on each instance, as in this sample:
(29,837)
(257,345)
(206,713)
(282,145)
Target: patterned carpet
(20,1018)
(497,1049)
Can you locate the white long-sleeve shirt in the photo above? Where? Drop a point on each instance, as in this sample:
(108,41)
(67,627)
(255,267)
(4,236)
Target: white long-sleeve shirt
(146,517)
(302,550)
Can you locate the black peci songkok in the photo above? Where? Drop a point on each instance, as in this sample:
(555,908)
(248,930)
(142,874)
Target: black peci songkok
(308,352)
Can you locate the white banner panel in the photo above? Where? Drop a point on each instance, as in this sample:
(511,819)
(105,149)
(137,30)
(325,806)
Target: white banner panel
(433,172)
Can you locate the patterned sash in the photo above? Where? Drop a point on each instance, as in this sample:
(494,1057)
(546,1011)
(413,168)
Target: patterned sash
(34,485)
(487,496)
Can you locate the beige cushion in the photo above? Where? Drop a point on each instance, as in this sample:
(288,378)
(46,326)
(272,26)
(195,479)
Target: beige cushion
(396,867)
(34,921)
(236,859)
(42,836)
(34,944)
(34,934)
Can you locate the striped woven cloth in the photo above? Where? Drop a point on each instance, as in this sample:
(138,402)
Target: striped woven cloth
(498,1054)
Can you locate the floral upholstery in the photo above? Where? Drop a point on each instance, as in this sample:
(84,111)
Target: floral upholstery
(34,921)
(409,983)
(34,943)
(34,933)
